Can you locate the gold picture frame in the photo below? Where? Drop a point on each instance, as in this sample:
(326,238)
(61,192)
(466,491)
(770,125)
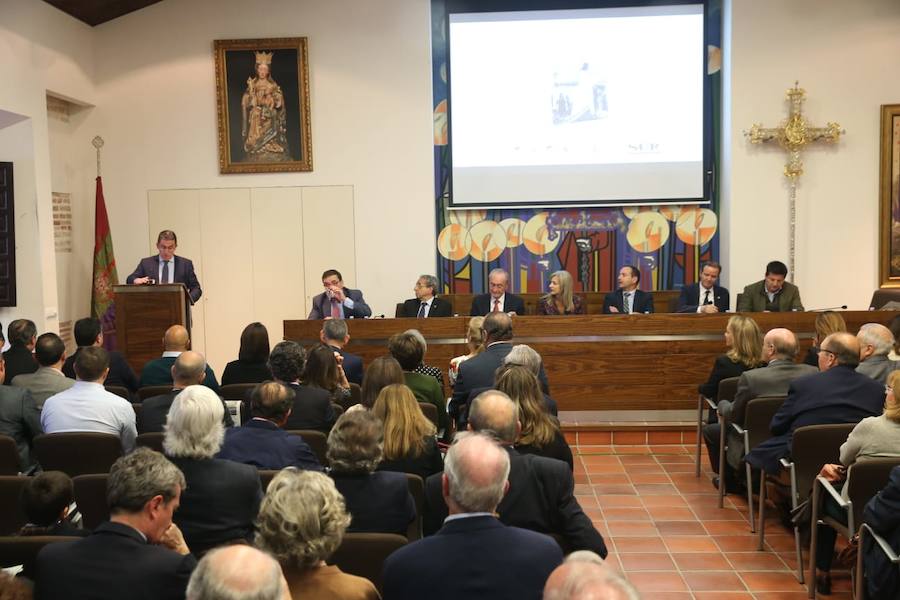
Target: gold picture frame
(262,97)
(889,220)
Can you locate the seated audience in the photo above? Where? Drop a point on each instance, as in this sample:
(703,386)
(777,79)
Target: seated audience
(426,304)
(540,431)
(222,497)
(19,359)
(628,298)
(301,523)
(408,351)
(562,299)
(262,441)
(378,501)
(50,353)
(475,344)
(159,370)
(189,369)
(312,406)
(335,335)
(526,356)
(705,296)
(744,340)
(487,558)
(324,371)
(827,322)
(875,343)
(384,371)
(48,502)
(89,332)
(251,365)
(409,442)
(882,513)
(20,419)
(584,576)
(237,573)
(87,406)
(422,368)
(139,552)
(771,294)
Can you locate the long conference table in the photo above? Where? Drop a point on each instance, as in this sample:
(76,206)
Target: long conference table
(595,362)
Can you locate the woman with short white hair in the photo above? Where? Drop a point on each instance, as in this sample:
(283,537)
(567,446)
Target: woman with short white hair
(222,497)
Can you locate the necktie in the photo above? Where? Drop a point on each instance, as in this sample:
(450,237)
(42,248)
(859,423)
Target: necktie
(165,272)
(335,309)
(496,304)
(422,311)
(625,302)
(706,299)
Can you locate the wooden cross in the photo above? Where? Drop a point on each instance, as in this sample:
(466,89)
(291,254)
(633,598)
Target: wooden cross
(793,135)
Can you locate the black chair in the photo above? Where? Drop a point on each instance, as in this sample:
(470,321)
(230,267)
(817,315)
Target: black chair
(237,391)
(90,496)
(152,440)
(430,411)
(726,391)
(266,476)
(338,409)
(77,453)
(11,516)
(318,443)
(17,550)
(883,296)
(363,554)
(9,456)
(138,411)
(880,545)
(417,490)
(119,390)
(148,391)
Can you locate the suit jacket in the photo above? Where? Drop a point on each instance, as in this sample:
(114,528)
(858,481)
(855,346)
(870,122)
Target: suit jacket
(754,298)
(439,308)
(155,412)
(540,498)
(20,419)
(838,395)
(19,359)
(878,368)
(312,409)
(219,504)
(184,273)
(483,304)
(689,299)
(321,306)
(43,383)
(378,502)
(120,372)
(112,563)
(353,365)
(882,513)
(159,372)
(643,302)
(487,559)
(264,445)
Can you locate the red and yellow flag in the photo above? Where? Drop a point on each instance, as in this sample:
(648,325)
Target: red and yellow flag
(105,277)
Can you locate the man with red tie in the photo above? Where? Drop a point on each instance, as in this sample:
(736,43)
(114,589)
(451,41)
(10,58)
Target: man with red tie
(497,300)
(337,301)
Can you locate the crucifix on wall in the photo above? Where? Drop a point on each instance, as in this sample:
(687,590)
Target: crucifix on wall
(793,135)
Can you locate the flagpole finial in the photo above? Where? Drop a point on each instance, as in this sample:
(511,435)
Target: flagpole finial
(97,142)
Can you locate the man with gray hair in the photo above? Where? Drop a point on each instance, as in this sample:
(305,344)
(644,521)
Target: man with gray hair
(138,553)
(584,576)
(237,573)
(486,559)
(425,304)
(497,300)
(875,343)
(336,335)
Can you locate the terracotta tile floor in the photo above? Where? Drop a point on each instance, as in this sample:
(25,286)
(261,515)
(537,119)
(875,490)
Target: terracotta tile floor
(666,533)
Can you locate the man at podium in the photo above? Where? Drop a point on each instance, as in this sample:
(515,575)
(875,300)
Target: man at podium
(166,267)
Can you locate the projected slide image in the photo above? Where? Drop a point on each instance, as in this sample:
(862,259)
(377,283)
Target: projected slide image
(578,96)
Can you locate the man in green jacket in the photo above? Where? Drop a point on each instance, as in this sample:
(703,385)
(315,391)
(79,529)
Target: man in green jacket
(772,294)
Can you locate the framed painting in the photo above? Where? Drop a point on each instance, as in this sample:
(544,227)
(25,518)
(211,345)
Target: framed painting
(262,92)
(889,221)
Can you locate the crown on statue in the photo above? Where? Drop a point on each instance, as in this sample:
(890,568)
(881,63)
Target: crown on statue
(264,58)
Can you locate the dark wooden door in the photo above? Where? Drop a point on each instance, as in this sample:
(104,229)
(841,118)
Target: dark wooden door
(7,237)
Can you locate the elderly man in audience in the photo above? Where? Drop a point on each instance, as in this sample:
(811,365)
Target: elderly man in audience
(302,522)
(485,557)
(89,332)
(159,370)
(237,573)
(261,441)
(50,353)
(408,351)
(20,418)
(541,490)
(222,497)
(312,405)
(22,334)
(138,554)
(189,369)
(875,343)
(335,335)
(87,406)
(584,576)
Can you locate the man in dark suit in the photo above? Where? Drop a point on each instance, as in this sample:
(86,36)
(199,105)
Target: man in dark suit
(336,335)
(772,294)
(337,301)
(541,490)
(478,371)
(88,332)
(705,296)
(20,418)
(497,300)
(159,370)
(838,394)
(882,513)
(426,304)
(166,267)
(487,558)
(261,441)
(312,406)
(22,334)
(138,553)
(49,352)
(628,298)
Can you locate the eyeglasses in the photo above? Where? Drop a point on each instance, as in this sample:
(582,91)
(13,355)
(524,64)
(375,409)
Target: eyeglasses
(828,351)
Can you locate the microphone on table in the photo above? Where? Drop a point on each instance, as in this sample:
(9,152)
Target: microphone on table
(842,307)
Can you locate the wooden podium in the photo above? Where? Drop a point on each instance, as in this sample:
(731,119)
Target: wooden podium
(143,313)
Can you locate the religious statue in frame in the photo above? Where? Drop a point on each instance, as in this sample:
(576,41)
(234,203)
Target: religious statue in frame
(262,92)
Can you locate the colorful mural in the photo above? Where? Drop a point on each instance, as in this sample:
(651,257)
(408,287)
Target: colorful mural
(668,243)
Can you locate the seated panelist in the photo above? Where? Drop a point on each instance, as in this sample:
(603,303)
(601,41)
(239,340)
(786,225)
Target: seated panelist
(705,296)
(426,304)
(628,298)
(498,300)
(772,294)
(561,300)
(337,301)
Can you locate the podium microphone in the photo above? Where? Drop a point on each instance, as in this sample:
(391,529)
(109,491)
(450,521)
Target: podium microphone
(842,307)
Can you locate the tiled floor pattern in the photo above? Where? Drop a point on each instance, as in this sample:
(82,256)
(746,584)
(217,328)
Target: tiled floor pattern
(665,531)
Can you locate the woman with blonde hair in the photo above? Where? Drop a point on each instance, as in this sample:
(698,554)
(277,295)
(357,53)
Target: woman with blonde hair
(475,343)
(744,340)
(562,299)
(827,322)
(540,431)
(409,442)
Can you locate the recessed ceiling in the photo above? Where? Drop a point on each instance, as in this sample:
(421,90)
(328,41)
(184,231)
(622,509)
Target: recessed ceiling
(95,12)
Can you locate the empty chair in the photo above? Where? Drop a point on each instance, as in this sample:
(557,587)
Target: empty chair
(430,411)
(152,440)
(11,516)
(9,456)
(90,496)
(236,391)
(363,554)
(77,453)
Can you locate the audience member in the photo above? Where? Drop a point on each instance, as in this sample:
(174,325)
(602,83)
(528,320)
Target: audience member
(827,322)
(189,369)
(89,332)
(312,405)
(744,342)
(426,304)
(379,502)
(875,343)
(159,370)
(894,326)
(139,552)
(87,406)
(628,298)
(324,371)
(474,343)
(584,576)
(409,442)
(251,365)
(422,368)
(525,356)
(497,300)
(408,351)
(771,294)
(301,523)
(541,492)
(237,573)
(50,353)
(705,296)
(337,301)
(384,371)
(48,502)
(14,588)
(487,558)
(20,418)
(882,513)
(562,299)
(22,336)
(262,441)
(222,497)
(335,335)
